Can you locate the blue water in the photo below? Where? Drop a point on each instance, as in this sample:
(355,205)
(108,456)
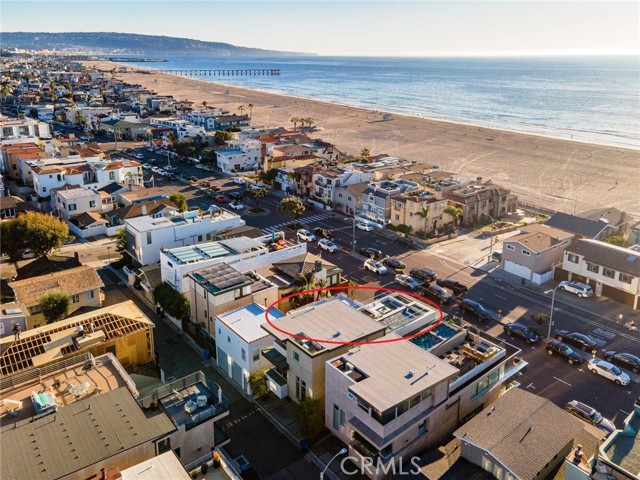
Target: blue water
(595,99)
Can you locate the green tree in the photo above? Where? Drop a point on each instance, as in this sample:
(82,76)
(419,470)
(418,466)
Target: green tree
(171,301)
(13,239)
(365,153)
(180,200)
(351,292)
(241,108)
(250,110)
(121,245)
(44,233)
(55,305)
(295,121)
(220,137)
(310,418)
(302,121)
(618,240)
(269,176)
(185,149)
(309,121)
(258,384)
(291,207)
(204,104)
(455,212)
(257,194)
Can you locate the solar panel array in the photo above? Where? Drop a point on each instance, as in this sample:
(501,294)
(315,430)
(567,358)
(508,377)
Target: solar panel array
(196,253)
(223,276)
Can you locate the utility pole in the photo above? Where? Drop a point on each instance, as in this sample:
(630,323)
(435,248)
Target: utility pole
(353,234)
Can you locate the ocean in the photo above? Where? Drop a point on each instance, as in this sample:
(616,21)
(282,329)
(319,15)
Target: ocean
(593,99)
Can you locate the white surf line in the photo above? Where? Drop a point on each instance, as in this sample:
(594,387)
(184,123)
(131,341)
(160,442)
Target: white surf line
(566,383)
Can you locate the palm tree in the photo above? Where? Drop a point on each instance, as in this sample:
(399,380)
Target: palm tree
(241,108)
(250,110)
(365,153)
(204,104)
(302,121)
(309,121)
(455,212)
(295,121)
(322,284)
(352,291)
(424,213)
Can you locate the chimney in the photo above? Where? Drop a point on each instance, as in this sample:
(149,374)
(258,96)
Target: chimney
(144,209)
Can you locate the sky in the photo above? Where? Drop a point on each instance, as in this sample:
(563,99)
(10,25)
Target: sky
(361,27)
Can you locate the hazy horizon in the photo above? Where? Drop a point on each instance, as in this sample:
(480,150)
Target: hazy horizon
(356,28)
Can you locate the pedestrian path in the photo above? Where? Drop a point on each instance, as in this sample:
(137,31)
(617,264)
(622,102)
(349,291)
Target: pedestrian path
(304,221)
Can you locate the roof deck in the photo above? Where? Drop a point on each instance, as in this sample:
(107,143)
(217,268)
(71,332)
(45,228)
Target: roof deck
(245,321)
(622,449)
(400,313)
(39,391)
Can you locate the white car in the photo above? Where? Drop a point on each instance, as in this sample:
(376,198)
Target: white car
(155,169)
(364,226)
(236,206)
(146,166)
(162,171)
(375,266)
(256,186)
(306,235)
(578,288)
(139,156)
(239,181)
(407,281)
(328,245)
(609,370)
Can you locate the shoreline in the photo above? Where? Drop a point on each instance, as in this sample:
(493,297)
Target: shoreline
(555,173)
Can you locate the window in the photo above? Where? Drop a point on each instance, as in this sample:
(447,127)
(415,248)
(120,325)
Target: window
(112,175)
(397,217)
(256,356)
(526,252)
(72,207)
(340,195)
(623,277)
(90,295)
(44,189)
(336,417)
(349,198)
(607,272)
(219,330)
(148,238)
(75,298)
(199,238)
(483,203)
(510,247)
(572,258)
(592,267)
(296,356)
(169,264)
(422,428)
(228,339)
(92,203)
(244,354)
(208,236)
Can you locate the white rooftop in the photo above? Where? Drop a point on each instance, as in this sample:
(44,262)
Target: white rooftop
(74,193)
(246,321)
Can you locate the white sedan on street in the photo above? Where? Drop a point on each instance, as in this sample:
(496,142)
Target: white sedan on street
(306,235)
(609,370)
(364,226)
(236,206)
(239,181)
(375,266)
(328,245)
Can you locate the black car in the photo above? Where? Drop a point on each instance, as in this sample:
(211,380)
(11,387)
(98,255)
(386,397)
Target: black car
(624,360)
(515,329)
(478,310)
(576,339)
(323,233)
(406,242)
(394,263)
(425,274)
(371,253)
(565,351)
(456,287)
(437,293)
(235,196)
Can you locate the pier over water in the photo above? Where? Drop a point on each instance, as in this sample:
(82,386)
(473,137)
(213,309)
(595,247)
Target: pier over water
(223,72)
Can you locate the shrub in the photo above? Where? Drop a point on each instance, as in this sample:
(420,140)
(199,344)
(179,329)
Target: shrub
(310,418)
(404,228)
(171,301)
(258,384)
(391,227)
(55,305)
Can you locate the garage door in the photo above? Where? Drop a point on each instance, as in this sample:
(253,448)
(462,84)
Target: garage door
(222,361)
(516,269)
(236,373)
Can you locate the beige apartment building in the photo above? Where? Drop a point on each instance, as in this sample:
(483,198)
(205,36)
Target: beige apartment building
(482,200)
(423,211)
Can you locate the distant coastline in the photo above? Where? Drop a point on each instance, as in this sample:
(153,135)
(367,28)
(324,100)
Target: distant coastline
(544,171)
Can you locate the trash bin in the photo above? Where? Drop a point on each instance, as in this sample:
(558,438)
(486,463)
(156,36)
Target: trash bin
(206,353)
(304,446)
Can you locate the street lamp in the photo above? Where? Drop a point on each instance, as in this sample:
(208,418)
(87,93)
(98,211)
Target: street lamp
(490,244)
(353,234)
(553,298)
(341,452)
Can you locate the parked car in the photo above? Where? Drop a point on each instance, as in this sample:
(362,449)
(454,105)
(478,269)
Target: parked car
(406,242)
(323,232)
(239,181)
(364,226)
(375,266)
(456,287)
(590,415)
(235,196)
(193,179)
(565,351)
(424,274)
(220,199)
(394,263)
(517,330)
(215,188)
(609,370)
(407,281)
(327,245)
(585,342)
(306,235)
(477,309)
(146,166)
(624,360)
(256,186)
(371,252)
(139,156)
(162,171)
(236,206)
(578,288)
(437,294)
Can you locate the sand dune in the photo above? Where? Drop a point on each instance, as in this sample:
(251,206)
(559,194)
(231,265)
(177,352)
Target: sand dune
(551,173)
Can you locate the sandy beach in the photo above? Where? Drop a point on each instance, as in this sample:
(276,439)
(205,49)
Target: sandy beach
(551,173)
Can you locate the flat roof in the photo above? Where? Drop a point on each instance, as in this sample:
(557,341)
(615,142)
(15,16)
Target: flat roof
(197,253)
(243,244)
(246,321)
(336,319)
(78,436)
(221,278)
(165,466)
(395,372)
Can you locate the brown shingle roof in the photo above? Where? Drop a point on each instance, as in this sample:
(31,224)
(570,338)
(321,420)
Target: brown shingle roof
(601,253)
(538,237)
(304,265)
(73,281)
(135,210)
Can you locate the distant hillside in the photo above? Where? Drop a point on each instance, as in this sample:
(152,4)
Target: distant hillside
(125,43)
